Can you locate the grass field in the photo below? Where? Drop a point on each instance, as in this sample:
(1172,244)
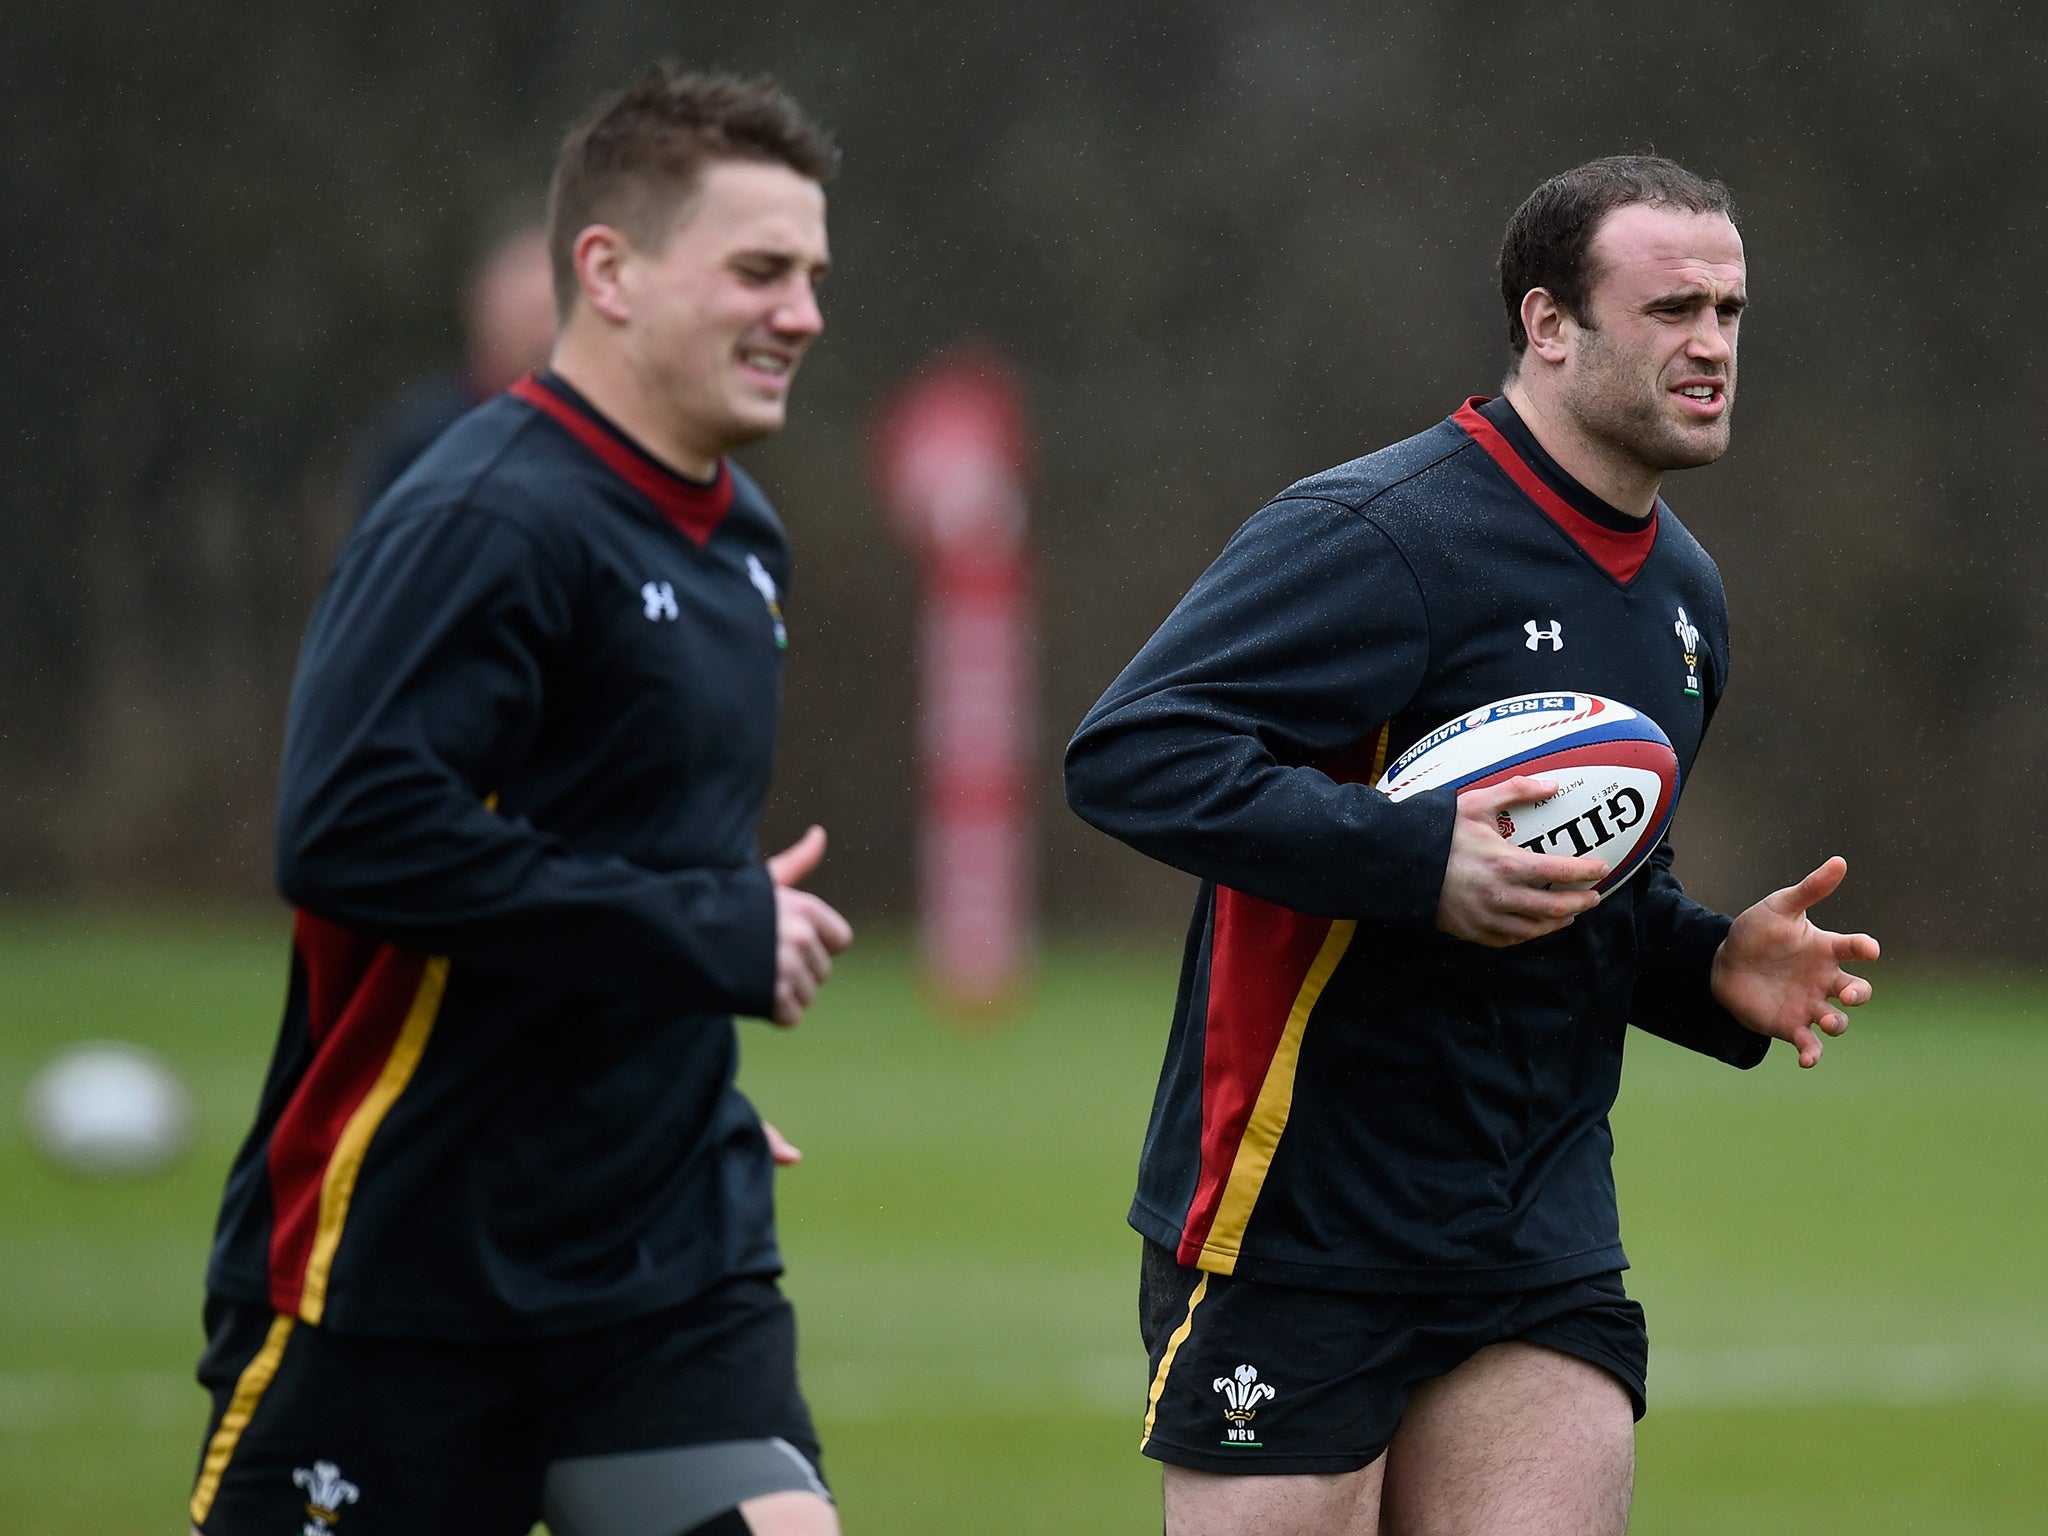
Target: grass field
(1846,1271)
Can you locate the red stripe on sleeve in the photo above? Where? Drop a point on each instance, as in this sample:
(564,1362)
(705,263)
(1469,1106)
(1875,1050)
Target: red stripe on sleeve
(358,992)
(1259,955)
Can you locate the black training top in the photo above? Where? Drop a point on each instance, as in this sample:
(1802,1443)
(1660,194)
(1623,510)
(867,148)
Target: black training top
(529,739)
(1350,1098)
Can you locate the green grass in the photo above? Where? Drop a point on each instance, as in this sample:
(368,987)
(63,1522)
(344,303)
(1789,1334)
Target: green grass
(1846,1270)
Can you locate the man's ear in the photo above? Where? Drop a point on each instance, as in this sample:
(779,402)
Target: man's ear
(599,254)
(1545,322)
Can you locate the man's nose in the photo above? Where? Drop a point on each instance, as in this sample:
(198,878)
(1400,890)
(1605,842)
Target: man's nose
(1711,341)
(800,315)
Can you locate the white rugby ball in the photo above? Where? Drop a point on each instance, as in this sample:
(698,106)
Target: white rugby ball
(108,1107)
(1616,774)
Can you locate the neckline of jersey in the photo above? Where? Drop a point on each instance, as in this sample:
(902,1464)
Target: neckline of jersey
(695,507)
(1620,552)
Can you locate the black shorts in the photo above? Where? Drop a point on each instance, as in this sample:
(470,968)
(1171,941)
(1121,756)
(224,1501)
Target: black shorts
(415,1437)
(1253,1377)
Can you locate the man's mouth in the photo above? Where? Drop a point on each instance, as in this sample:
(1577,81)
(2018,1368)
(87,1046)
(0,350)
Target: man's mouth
(775,364)
(1703,397)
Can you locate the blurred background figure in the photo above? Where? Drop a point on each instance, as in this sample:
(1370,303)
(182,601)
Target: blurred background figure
(508,327)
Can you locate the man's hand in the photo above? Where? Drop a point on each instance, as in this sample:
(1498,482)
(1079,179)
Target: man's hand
(808,933)
(1497,894)
(786,1153)
(1781,976)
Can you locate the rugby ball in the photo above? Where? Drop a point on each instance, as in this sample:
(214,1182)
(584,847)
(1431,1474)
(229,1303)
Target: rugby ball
(109,1107)
(1616,774)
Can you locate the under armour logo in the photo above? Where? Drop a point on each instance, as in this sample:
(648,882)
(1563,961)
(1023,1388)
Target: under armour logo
(659,599)
(1554,634)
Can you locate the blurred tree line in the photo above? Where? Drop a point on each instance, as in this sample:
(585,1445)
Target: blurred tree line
(1226,244)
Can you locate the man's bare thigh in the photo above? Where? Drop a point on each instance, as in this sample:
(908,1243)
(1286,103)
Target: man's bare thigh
(1233,1504)
(1519,1439)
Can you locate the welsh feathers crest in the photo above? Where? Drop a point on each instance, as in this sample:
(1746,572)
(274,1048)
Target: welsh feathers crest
(1689,639)
(1242,1393)
(1688,635)
(764,584)
(326,1492)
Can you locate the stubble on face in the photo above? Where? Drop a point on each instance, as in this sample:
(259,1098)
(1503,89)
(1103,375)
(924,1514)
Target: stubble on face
(1618,404)
(1667,289)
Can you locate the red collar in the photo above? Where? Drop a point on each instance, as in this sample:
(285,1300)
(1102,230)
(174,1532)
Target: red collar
(1620,554)
(696,509)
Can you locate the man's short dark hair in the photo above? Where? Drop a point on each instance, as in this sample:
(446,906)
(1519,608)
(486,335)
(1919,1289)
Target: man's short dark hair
(636,161)
(1549,238)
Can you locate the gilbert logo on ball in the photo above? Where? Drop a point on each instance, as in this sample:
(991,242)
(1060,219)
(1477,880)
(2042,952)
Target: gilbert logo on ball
(1616,775)
(107,1107)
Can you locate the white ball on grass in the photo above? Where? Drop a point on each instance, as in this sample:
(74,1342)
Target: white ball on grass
(108,1107)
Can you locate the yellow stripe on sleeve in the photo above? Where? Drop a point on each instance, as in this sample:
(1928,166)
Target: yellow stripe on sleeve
(249,1389)
(338,1184)
(1173,1344)
(1269,1113)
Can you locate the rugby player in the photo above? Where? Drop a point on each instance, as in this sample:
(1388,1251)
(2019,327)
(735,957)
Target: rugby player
(500,1245)
(1381,1284)
(508,330)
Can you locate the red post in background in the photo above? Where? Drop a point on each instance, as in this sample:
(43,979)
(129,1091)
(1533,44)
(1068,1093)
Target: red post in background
(950,458)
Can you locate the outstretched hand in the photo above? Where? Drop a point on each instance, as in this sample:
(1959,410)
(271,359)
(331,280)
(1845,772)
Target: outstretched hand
(808,933)
(1781,976)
